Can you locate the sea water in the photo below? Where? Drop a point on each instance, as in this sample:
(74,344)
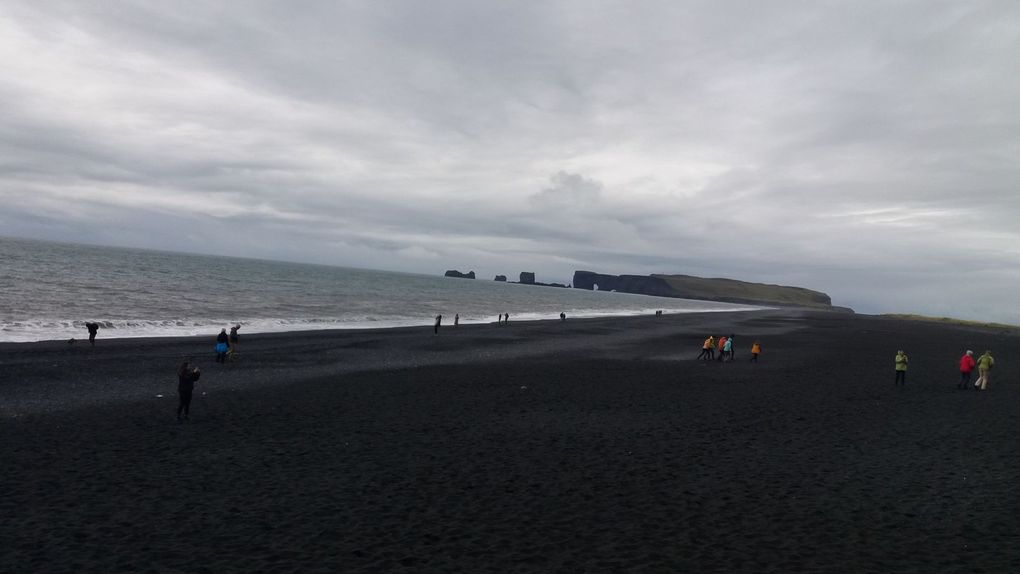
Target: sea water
(50,290)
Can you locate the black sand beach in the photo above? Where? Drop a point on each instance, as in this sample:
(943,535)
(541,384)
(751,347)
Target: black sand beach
(581,446)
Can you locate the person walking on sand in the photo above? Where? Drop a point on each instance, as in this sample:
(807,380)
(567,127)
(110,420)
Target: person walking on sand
(234,337)
(966,368)
(901,368)
(731,352)
(186,377)
(728,349)
(706,349)
(984,364)
(93,328)
(439,321)
(720,347)
(507,320)
(755,351)
(222,346)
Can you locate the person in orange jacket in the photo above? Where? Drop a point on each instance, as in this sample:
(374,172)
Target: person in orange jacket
(720,346)
(967,365)
(706,348)
(755,351)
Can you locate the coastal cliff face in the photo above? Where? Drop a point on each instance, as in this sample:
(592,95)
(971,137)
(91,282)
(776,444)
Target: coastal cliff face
(459,275)
(639,284)
(690,287)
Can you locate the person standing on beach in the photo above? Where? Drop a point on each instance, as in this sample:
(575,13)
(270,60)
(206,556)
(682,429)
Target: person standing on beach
(234,336)
(507,320)
(186,377)
(563,316)
(222,346)
(984,364)
(732,347)
(456,319)
(901,368)
(93,328)
(966,368)
(720,346)
(706,349)
(439,321)
(755,351)
(728,349)
(711,347)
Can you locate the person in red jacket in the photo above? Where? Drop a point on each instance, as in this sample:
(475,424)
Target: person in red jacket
(966,368)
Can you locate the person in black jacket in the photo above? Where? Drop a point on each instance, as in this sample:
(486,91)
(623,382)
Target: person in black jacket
(186,377)
(93,328)
(222,346)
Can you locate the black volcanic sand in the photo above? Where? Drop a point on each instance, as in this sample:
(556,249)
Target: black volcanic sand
(584,446)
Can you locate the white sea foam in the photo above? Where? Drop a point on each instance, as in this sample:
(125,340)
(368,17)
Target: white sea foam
(53,329)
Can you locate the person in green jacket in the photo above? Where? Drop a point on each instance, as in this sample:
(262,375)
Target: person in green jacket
(984,364)
(901,368)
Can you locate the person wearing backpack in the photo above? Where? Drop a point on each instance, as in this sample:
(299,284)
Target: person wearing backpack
(984,364)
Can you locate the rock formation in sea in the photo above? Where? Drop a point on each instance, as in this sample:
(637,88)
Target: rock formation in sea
(458,274)
(501,278)
(527,278)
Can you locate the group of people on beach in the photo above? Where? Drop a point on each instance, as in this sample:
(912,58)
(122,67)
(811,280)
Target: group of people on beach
(187,374)
(725,347)
(503,319)
(983,364)
(226,344)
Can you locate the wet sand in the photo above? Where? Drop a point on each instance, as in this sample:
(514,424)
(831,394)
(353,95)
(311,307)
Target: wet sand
(583,446)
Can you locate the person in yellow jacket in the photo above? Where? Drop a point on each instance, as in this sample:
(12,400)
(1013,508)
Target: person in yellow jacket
(708,348)
(755,351)
(901,367)
(984,364)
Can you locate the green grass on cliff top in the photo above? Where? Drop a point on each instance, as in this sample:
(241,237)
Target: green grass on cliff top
(949,321)
(717,288)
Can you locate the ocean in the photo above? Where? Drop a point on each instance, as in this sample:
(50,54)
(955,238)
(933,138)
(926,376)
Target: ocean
(48,291)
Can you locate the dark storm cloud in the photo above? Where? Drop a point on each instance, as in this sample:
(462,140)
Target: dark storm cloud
(864,149)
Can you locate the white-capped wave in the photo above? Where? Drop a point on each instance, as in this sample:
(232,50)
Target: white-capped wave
(54,329)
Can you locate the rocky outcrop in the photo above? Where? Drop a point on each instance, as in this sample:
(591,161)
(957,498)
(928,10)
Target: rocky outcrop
(690,287)
(639,284)
(527,278)
(501,278)
(459,275)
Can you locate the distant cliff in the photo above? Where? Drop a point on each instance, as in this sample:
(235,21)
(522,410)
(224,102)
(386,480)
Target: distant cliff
(689,287)
(459,275)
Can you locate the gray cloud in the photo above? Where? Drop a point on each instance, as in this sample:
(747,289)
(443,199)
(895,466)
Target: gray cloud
(864,149)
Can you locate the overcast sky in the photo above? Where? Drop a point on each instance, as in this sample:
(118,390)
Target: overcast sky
(870,150)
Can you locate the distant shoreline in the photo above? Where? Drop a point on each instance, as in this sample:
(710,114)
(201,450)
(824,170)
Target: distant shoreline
(104,333)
